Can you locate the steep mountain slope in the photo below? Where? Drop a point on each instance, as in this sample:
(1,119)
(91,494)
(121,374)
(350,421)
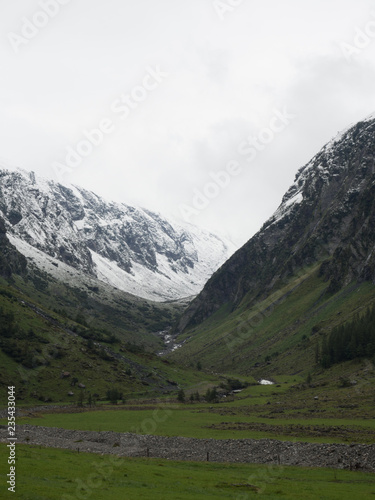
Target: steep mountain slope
(328,214)
(51,357)
(11,261)
(61,342)
(270,308)
(65,335)
(132,249)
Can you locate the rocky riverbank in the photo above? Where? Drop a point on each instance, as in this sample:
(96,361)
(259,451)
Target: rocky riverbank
(261,451)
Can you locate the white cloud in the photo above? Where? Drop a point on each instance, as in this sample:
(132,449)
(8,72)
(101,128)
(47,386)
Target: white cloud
(225,78)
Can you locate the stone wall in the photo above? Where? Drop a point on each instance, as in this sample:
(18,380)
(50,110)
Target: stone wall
(260,451)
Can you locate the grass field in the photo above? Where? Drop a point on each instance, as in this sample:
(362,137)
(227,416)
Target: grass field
(49,474)
(200,423)
(286,410)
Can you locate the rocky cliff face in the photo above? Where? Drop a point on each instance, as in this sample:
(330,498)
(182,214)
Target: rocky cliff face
(327,215)
(130,248)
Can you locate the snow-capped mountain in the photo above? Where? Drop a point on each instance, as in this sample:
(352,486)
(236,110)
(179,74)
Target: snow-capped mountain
(326,218)
(326,167)
(130,248)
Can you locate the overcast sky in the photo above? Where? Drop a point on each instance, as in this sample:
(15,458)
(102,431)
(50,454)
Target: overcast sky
(180,88)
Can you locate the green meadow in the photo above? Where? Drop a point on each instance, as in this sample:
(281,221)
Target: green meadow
(51,474)
(192,423)
(287,410)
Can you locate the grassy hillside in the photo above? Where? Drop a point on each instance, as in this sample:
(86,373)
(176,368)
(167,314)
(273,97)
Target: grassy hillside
(98,340)
(95,304)
(282,334)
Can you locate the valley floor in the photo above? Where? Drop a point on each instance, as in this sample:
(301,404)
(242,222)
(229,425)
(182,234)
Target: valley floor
(158,448)
(54,474)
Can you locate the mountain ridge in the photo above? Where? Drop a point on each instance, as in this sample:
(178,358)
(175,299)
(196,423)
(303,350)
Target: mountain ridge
(133,249)
(327,215)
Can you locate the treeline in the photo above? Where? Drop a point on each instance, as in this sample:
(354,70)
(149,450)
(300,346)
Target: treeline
(355,339)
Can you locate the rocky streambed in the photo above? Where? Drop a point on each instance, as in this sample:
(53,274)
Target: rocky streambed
(260,451)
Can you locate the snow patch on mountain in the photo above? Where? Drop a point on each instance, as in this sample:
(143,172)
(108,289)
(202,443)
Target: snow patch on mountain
(57,269)
(286,207)
(324,167)
(164,287)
